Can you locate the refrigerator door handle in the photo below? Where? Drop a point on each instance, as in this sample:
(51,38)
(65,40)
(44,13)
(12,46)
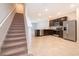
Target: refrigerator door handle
(67,28)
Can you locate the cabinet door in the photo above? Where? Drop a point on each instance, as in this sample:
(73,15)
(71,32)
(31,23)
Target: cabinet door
(48,32)
(51,23)
(37,32)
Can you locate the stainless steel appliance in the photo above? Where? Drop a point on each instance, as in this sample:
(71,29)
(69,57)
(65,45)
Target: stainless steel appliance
(70,30)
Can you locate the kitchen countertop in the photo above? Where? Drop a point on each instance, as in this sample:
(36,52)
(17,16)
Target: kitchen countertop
(50,28)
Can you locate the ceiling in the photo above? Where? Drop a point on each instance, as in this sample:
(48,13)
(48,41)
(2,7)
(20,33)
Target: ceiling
(46,10)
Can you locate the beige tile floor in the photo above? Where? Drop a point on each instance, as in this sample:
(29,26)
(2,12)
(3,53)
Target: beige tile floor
(54,46)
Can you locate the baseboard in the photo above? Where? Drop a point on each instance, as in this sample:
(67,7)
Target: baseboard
(4,26)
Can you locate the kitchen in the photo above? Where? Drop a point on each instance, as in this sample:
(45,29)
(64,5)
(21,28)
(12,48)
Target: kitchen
(60,27)
(53,26)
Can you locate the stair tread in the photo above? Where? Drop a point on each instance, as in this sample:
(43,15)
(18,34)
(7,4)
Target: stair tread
(15,34)
(17,30)
(10,39)
(13,47)
(17,24)
(15,41)
(13,51)
(13,44)
(16,27)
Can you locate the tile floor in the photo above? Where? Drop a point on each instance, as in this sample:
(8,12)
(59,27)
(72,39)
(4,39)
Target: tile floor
(54,46)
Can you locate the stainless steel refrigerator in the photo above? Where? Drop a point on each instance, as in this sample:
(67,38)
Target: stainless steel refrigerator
(70,30)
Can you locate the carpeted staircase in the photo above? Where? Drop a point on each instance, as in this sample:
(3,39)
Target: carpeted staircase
(15,41)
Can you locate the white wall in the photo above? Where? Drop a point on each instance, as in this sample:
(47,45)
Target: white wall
(77,24)
(28,27)
(71,15)
(5,9)
(20,8)
(41,23)
(44,23)
(7,12)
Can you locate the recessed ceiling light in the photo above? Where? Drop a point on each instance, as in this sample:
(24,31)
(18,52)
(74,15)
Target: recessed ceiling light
(46,9)
(39,14)
(49,16)
(58,13)
(72,6)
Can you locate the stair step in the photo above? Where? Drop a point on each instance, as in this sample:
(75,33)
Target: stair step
(18,22)
(15,35)
(13,47)
(17,25)
(13,44)
(14,51)
(17,28)
(14,39)
(16,31)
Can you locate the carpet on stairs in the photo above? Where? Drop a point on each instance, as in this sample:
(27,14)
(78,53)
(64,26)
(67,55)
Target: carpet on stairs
(15,41)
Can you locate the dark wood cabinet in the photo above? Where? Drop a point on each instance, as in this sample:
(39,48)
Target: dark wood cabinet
(44,32)
(58,20)
(37,32)
(47,32)
(59,33)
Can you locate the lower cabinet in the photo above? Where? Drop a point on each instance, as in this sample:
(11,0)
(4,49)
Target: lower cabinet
(59,33)
(37,32)
(48,32)
(45,32)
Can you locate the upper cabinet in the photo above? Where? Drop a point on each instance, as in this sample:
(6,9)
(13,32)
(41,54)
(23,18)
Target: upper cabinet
(58,21)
